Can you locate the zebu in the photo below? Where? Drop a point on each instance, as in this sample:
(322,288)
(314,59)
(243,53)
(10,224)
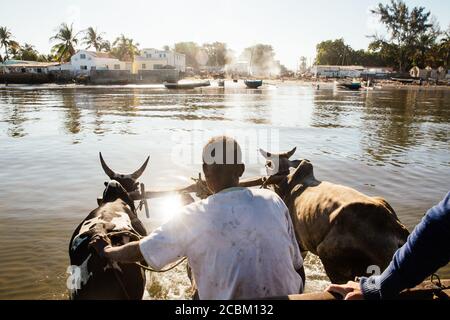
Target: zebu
(352,233)
(92,276)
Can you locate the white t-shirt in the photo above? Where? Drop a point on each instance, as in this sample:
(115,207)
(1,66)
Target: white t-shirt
(240,244)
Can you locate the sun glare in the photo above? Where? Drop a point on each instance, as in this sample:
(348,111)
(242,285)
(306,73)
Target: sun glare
(171,207)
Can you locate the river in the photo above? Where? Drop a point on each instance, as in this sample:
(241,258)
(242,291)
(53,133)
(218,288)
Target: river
(393,143)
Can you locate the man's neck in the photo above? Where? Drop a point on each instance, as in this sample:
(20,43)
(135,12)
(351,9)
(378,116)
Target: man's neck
(228,186)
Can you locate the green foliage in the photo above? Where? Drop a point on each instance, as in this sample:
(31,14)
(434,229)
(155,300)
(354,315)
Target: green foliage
(333,52)
(411,34)
(7,42)
(336,52)
(124,48)
(67,40)
(94,39)
(28,53)
(413,39)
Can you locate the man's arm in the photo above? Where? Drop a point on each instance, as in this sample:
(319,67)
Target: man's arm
(128,253)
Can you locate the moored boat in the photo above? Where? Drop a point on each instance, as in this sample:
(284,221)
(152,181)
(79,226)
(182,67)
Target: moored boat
(187,85)
(253,84)
(403,80)
(353,85)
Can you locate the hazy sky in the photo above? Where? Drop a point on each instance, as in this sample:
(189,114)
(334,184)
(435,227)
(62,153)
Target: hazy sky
(293,27)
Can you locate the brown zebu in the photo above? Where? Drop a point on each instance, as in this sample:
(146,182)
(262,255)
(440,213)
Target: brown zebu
(93,277)
(353,234)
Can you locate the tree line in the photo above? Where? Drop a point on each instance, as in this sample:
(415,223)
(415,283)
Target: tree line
(413,38)
(66,41)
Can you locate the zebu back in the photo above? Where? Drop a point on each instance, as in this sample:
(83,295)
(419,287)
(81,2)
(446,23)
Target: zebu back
(347,229)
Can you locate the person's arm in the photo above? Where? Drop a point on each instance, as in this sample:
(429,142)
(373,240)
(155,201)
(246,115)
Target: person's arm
(425,251)
(127,253)
(164,245)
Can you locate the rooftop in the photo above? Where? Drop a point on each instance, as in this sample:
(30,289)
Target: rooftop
(27,64)
(340,67)
(104,55)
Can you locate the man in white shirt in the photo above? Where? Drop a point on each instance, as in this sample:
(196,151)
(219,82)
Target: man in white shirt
(240,242)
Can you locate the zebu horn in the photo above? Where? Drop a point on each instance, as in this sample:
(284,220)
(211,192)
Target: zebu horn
(289,154)
(135,175)
(265,154)
(111,174)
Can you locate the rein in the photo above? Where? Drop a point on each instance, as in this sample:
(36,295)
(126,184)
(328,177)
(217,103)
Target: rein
(139,237)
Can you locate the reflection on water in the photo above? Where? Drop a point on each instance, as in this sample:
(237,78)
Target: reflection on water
(391,143)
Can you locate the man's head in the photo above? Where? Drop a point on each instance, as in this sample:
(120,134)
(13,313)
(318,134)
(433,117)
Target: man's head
(222,163)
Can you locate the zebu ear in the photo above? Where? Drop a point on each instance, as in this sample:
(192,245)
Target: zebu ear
(289,153)
(294,163)
(111,174)
(265,154)
(135,175)
(303,170)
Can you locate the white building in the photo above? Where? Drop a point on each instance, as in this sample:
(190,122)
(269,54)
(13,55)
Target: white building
(85,61)
(153,59)
(377,73)
(337,71)
(20,66)
(429,73)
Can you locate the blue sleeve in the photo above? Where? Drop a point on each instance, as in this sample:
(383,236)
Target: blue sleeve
(427,250)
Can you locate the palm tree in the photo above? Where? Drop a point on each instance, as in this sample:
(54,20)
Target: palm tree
(105,46)
(14,50)
(68,39)
(28,53)
(94,39)
(125,49)
(6,41)
(444,47)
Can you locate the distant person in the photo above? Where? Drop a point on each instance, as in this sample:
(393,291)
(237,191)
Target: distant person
(240,242)
(427,250)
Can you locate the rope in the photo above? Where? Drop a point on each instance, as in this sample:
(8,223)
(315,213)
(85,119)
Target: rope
(138,236)
(161,271)
(438,284)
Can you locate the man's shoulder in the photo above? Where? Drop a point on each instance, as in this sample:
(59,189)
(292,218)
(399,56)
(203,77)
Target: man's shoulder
(195,207)
(264,193)
(267,195)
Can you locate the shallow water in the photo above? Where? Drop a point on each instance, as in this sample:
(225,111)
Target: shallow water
(393,143)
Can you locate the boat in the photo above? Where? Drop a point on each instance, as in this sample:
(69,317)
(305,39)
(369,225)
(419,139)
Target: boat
(427,290)
(253,84)
(187,85)
(403,80)
(353,85)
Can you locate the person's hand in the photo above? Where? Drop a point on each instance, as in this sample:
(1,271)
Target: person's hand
(186,199)
(349,291)
(99,243)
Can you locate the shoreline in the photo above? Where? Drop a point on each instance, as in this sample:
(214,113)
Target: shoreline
(381,84)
